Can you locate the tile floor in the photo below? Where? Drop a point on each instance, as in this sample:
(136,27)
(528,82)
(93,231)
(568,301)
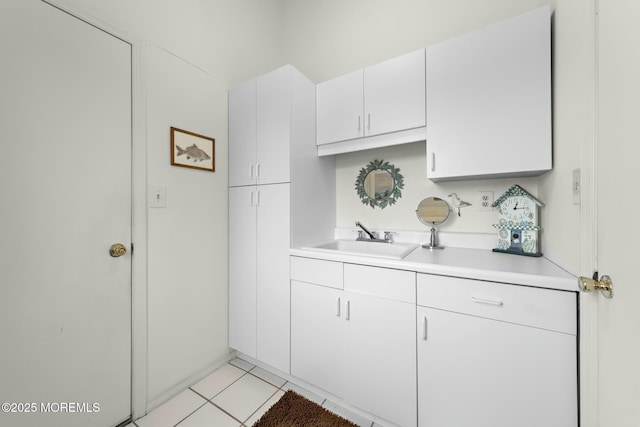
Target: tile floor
(235,395)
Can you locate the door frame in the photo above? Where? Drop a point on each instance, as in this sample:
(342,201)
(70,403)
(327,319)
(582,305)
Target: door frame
(588,314)
(138,204)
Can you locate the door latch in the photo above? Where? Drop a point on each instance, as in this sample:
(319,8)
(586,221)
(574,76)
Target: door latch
(604,285)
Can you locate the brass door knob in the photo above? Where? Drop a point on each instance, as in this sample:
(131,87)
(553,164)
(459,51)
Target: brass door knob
(604,285)
(117,250)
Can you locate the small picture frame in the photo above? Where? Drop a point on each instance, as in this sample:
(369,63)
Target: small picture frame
(191,150)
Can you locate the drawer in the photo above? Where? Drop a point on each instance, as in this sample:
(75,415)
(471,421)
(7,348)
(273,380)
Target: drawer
(398,285)
(317,272)
(540,308)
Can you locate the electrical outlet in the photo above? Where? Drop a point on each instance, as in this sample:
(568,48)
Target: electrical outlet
(485,200)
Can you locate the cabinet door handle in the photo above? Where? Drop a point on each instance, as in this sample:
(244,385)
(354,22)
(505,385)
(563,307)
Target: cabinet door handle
(424,328)
(338,312)
(253,203)
(369,122)
(251,175)
(433,161)
(487,301)
(359,127)
(348,310)
(258,198)
(257,170)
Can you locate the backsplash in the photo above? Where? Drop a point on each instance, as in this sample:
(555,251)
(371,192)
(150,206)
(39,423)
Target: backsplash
(411,160)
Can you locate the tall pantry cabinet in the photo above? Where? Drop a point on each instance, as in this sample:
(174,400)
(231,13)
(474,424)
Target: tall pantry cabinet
(281,195)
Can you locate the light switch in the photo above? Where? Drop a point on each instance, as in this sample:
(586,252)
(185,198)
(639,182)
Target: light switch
(575,186)
(157,197)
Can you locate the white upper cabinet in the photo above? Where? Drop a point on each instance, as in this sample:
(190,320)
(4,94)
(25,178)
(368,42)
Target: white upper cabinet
(339,108)
(489,101)
(381,105)
(259,130)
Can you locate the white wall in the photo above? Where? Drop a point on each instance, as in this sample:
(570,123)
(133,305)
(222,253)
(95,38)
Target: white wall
(410,158)
(561,218)
(187,240)
(233,40)
(325,39)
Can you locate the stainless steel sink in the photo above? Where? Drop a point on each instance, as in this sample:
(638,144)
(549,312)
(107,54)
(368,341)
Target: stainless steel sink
(395,250)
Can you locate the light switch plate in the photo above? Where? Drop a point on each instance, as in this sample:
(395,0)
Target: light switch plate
(576,187)
(157,197)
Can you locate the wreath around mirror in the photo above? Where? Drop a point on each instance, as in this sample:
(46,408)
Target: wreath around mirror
(379,184)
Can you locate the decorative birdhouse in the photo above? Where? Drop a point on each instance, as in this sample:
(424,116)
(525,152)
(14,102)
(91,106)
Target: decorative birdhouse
(518,222)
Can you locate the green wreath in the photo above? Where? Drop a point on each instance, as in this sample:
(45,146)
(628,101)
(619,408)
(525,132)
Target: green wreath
(390,196)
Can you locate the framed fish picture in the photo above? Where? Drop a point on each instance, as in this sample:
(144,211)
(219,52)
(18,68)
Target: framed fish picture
(191,150)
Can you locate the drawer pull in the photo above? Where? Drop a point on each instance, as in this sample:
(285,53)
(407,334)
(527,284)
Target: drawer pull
(487,301)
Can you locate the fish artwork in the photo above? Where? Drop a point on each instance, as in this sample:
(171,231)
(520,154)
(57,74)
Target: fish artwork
(194,153)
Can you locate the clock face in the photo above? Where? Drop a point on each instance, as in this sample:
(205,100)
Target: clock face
(518,208)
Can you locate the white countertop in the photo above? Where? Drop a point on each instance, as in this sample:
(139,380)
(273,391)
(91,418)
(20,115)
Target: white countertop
(481,264)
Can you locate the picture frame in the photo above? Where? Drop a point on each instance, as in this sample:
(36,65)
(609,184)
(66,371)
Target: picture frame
(191,150)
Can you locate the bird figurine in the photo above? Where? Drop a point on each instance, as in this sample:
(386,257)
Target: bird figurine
(457,203)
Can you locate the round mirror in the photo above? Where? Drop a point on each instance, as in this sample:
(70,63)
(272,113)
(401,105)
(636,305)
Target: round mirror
(379,184)
(433,211)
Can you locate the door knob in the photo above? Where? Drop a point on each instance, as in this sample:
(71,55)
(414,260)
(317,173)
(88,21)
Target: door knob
(604,285)
(117,250)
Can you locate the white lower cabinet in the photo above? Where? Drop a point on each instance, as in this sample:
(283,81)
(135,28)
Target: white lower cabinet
(488,354)
(481,364)
(358,346)
(259,273)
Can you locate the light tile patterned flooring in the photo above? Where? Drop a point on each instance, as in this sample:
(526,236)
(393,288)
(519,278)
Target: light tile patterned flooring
(235,395)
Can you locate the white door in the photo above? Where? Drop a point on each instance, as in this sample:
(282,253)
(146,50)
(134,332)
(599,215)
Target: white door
(317,329)
(273,288)
(339,104)
(618,205)
(242,134)
(380,356)
(274,126)
(394,94)
(478,371)
(242,269)
(65,186)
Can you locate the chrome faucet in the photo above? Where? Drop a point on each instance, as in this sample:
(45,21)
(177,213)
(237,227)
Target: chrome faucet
(373,237)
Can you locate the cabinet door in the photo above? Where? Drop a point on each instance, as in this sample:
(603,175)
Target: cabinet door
(242,134)
(339,108)
(380,357)
(274,126)
(394,94)
(242,269)
(489,101)
(476,371)
(273,237)
(316,335)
